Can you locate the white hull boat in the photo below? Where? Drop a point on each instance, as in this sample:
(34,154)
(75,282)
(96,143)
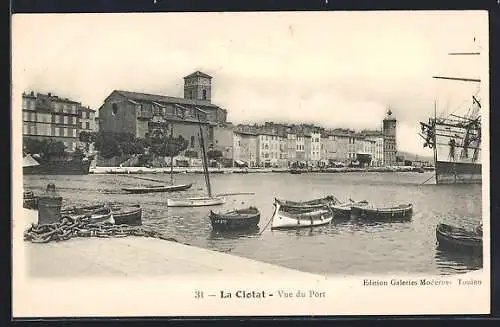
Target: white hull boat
(316,217)
(196,202)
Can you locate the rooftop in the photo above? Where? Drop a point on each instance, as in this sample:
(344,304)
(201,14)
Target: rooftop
(48,97)
(198,74)
(145,97)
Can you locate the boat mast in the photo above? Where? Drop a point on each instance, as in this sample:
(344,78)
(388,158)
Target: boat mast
(171,156)
(434,141)
(205,164)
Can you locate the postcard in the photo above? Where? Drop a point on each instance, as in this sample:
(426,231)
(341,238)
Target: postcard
(250,164)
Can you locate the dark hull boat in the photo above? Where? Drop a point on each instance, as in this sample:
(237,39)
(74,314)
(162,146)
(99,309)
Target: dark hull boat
(459,239)
(157,189)
(296,171)
(343,210)
(398,213)
(247,218)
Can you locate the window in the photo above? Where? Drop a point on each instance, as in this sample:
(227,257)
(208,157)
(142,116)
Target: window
(87,125)
(32,104)
(115,109)
(61,131)
(84,114)
(81,125)
(204,94)
(192,141)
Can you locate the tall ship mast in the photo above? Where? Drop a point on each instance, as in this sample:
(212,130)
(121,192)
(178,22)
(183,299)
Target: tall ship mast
(456,139)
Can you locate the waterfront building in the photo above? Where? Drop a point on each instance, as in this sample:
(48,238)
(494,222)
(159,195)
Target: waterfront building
(390,144)
(145,114)
(365,149)
(48,116)
(324,147)
(245,148)
(338,146)
(291,142)
(269,153)
(224,140)
(315,147)
(378,154)
(87,119)
(300,144)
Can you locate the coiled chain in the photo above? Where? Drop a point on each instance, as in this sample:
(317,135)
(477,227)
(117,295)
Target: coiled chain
(81,226)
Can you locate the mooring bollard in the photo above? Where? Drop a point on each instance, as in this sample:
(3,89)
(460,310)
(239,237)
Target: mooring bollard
(49,206)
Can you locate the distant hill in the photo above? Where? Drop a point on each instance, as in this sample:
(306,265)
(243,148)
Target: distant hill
(412,156)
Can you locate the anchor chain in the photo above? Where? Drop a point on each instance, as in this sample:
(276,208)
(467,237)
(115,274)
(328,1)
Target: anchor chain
(82,226)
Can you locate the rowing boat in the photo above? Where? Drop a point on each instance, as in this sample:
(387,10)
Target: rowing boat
(459,239)
(307,205)
(343,210)
(237,219)
(315,216)
(396,213)
(196,202)
(155,189)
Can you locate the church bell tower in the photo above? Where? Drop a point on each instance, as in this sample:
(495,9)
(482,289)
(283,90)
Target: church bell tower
(198,86)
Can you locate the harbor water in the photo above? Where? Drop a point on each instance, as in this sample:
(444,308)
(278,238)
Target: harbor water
(343,248)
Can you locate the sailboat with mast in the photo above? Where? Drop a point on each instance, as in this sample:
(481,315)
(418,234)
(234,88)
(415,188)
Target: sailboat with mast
(210,199)
(456,139)
(161,188)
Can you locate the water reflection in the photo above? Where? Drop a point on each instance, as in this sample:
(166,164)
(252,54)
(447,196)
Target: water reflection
(449,262)
(233,234)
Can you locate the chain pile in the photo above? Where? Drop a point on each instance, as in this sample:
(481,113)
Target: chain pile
(81,226)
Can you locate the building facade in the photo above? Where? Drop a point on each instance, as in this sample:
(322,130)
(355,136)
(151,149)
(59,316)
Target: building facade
(47,116)
(87,119)
(144,114)
(378,154)
(245,148)
(389,134)
(315,148)
(224,140)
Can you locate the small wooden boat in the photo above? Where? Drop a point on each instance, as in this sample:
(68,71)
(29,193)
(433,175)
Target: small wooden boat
(30,201)
(316,216)
(159,188)
(196,202)
(129,215)
(343,210)
(296,171)
(307,205)
(97,216)
(459,239)
(237,219)
(400,212)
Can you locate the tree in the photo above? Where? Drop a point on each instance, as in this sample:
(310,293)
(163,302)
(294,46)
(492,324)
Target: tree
(107,145)
(168,146)
(45,148)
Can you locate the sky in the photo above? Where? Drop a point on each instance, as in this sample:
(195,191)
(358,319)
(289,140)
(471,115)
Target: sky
(333,69)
